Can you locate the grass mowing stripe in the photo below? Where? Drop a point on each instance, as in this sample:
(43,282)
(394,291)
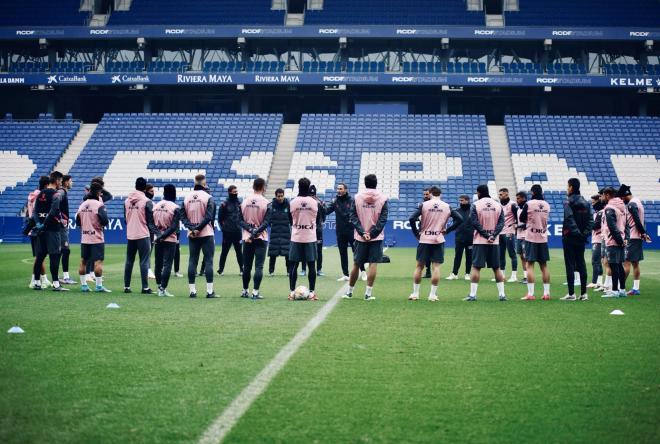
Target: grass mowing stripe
(224,423)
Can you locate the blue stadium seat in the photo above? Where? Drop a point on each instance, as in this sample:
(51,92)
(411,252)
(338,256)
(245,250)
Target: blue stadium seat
(345,138)
(28,150)
(373,12)
(584,13)
(587,144)
(191,12)
(177,137)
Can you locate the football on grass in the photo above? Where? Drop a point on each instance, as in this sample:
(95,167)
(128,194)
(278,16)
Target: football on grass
(301,293)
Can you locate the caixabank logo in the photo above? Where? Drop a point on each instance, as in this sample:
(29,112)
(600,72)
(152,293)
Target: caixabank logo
(130,78)
(64,78)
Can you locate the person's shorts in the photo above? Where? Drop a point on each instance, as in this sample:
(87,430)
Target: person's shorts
(64,237)
(635,250)
(520,246)
(537,252)
(368,252)
(50,242)
(431,252)
(615,255)
(91,253)
(485,255)
(302,252)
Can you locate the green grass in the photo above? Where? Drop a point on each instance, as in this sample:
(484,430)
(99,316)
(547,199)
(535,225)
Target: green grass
(161,369)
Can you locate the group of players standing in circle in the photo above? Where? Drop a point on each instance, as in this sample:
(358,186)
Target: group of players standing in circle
(486,231)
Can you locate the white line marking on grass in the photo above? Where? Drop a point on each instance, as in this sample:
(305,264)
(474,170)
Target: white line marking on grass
(223,424)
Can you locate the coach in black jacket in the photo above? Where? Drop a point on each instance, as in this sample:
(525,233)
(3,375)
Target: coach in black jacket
(231,230)
(464,234)
(577,226)
(341,206)
(280,231)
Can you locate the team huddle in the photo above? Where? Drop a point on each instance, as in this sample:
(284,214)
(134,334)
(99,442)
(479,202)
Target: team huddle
(486,231)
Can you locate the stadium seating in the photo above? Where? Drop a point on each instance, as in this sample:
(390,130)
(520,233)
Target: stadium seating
(406,152)
(198,12)
(522,68)
(41,13)
(378,12)
(601,151)
(136,66)
(29,149)
(585,13)
(228,148)
(626,68)
(167,66)
(29,67)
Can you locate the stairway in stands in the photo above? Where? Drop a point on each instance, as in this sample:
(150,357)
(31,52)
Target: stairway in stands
(502,166)
(75,147)
(286,146)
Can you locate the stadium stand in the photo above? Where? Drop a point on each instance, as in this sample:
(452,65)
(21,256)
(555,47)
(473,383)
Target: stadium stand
(226,147)
(378,12)
(406,152)
(585,13)
(600,150)
(29,149)
(192,12)
(136,66)
(41,13)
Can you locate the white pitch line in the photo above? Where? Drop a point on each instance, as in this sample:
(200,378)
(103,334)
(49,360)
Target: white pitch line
(223,424)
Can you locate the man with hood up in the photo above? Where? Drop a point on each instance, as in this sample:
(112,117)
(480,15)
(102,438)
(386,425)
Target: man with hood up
(618,234)
(280,231)
(138,213)
(228,217)
(368,216)
(463,240)
(577,225)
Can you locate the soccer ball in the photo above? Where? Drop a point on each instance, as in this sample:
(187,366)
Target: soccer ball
(301,293)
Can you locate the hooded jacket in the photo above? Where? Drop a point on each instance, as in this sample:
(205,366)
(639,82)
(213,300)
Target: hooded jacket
(578,218)
(369,215)
(280,228)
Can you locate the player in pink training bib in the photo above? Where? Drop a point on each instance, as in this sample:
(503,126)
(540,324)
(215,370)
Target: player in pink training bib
(488,220)
(433,216)
(254,219)
(535,215)
(634,253)
(91,217)
(167,216)
(368,216)
(305,216)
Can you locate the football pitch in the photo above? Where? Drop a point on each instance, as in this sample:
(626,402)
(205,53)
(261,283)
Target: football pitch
(161,370)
